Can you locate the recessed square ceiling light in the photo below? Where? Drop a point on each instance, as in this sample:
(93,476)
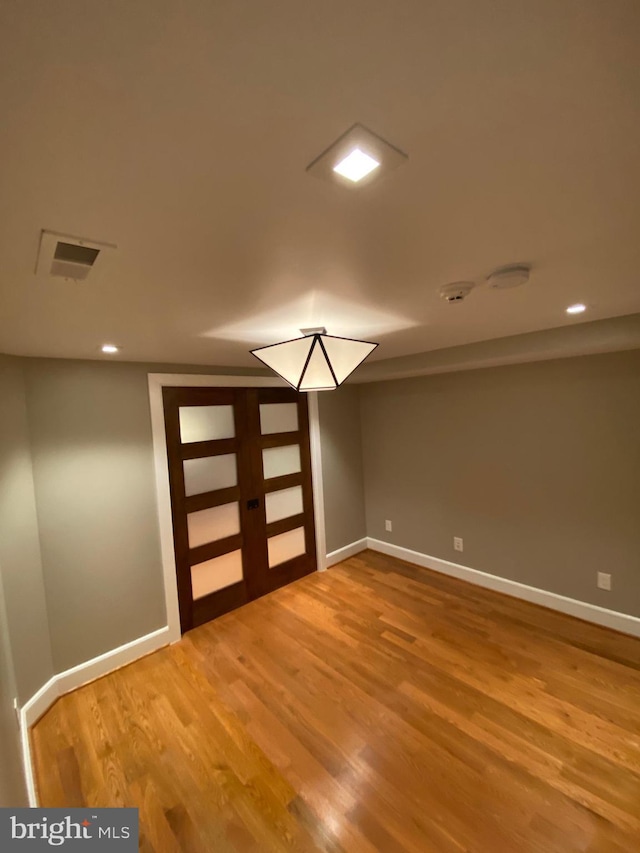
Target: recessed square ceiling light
(110,348)
(578,308)
(356,165)
(357,157)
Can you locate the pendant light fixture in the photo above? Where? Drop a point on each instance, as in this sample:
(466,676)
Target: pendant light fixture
(317,361)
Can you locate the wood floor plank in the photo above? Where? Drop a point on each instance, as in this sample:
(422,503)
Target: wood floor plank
(375,707)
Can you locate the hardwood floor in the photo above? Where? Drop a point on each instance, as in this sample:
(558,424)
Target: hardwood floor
(374,707)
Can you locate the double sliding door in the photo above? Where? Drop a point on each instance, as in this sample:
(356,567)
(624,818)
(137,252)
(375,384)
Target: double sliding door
(241,495)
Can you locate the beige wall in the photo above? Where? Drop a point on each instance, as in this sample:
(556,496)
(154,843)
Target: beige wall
(93,472)
(536,466)
(12,787)
(20,561)
(95,485)
(342,473)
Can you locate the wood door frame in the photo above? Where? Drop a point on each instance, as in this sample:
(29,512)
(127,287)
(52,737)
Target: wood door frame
(158,381)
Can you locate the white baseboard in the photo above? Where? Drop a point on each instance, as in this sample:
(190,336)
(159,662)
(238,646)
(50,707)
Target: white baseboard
(348,551)
(589,612)
(103,664)
(40,702)
(30,712)
(73,678)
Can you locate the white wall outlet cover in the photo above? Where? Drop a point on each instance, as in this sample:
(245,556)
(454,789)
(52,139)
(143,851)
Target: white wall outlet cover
(604,580)
(457,543)
(388,526)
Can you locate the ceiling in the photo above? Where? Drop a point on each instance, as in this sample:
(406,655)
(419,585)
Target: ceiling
(181,132)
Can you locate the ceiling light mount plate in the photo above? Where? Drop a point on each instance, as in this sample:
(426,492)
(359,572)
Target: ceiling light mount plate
(356,158)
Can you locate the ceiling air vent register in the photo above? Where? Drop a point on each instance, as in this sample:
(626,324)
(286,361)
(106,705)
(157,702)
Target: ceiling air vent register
(70,261)
(71,258)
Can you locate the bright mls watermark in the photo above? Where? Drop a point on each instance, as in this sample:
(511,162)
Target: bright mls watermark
(103,830)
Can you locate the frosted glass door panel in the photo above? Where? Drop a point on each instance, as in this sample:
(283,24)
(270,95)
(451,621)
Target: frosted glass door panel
(206,423)
(283,503)
(217,522)
(278,461)
(278,417)
(216,574)
(286,546)
(209,473)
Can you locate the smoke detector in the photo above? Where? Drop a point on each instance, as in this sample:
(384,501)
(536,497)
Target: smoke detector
(456,291)
(71,258)
(505,278)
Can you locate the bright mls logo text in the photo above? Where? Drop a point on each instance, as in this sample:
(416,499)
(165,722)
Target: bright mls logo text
(56,833)
(81,829)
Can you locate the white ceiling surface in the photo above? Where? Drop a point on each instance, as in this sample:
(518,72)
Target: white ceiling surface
(181,132)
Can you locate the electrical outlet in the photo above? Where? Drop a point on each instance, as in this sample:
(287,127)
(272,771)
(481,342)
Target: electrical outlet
(388,526)
(604,580)
(457,543)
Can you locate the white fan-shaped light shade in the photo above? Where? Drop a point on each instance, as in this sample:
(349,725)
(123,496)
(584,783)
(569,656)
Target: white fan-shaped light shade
(316,362)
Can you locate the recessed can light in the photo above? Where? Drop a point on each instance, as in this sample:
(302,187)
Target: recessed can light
(578,308)
(110,348)
(356,165)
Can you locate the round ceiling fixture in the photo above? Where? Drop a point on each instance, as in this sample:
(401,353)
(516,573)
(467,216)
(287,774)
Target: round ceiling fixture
(505,278)
(456,291)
